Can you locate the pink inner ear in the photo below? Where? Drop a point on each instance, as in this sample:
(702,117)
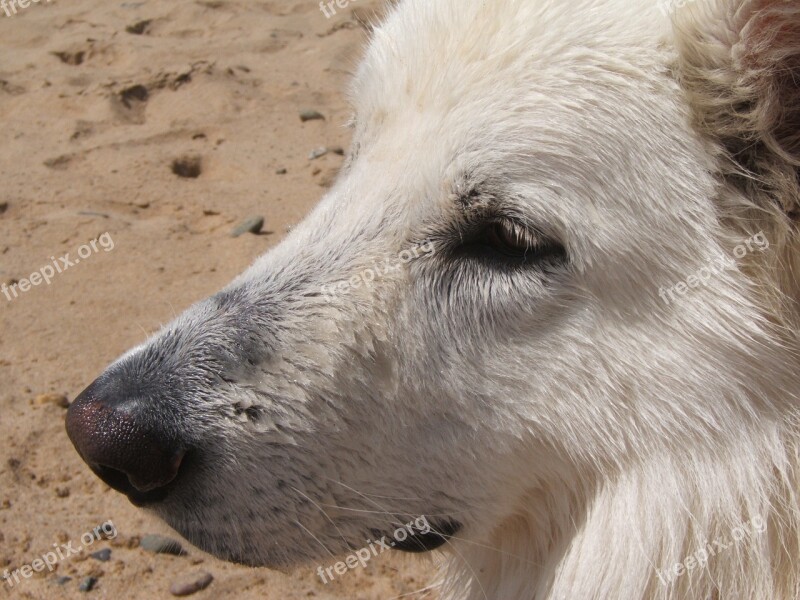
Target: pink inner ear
(769,52)
(766,27)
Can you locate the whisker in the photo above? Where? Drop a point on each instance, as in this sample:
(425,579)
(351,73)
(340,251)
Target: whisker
(469,566)
(315,538)
(426,589)
(446,537)
(393,497)
(383,510)
(410,515)
(485,547)
(349,547)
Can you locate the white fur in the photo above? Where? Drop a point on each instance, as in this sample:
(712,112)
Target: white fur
(586,433)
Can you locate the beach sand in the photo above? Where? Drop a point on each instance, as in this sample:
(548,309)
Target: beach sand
(162,125)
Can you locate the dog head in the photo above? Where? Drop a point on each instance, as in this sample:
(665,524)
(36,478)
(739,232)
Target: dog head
(524,280)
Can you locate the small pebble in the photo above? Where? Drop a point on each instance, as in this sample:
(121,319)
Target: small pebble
(311,115)
(337,150)
(281,172)
(62,579)
(191,585)
(3,207)
(139,28)
(103,555)
(188,167)
(251,225)
(55,399)
(158,544)
(87,584)
(317,153)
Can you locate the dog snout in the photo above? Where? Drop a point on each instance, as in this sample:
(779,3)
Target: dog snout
(117,436)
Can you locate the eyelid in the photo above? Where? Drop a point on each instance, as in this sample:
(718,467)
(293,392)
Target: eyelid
(515,229)
(535,234)
(485,202)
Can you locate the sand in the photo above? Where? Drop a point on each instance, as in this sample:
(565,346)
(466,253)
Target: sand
(101,104)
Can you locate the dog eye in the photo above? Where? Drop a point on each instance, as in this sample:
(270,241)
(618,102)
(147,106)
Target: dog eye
(510,240)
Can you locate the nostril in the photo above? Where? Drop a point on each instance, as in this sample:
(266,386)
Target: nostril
(127,482)
(156,474)
(120,481)
(113,478)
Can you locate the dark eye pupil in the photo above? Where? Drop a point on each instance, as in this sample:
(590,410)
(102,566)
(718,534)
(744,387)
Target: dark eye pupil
(512,241)
(507,240)
(507,243)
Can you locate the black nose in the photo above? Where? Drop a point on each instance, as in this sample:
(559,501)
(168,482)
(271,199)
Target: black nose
(124,442)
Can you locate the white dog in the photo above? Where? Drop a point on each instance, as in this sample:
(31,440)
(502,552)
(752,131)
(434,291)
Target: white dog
(586,381)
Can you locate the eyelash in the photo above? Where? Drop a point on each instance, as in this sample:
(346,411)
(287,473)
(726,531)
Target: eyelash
(507,242)
(513,236)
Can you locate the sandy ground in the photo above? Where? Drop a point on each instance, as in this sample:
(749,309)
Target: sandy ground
(100,104)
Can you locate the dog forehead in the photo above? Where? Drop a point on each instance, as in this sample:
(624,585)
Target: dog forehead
(485,80)
(441,54)
(502,89)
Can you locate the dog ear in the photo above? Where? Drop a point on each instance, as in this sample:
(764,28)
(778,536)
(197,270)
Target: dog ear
(739,63)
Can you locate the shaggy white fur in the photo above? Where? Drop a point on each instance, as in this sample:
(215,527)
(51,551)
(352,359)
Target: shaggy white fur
(672,426)
(524,384)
